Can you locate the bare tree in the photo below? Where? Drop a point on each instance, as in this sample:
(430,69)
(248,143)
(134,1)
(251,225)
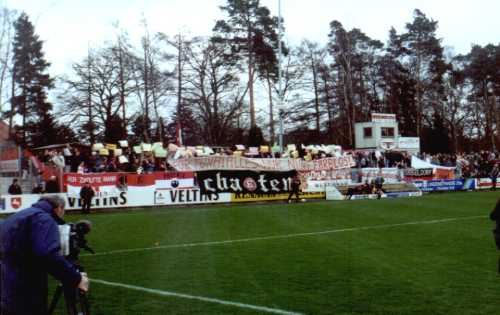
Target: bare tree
(154,86)
(92,96)
(7,18)
(313,57)
(214,90)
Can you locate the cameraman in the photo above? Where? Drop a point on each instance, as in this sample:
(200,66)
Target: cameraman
(495,216)
(30,244)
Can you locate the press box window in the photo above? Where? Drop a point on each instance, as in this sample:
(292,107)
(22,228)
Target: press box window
(387,132)
(367,132)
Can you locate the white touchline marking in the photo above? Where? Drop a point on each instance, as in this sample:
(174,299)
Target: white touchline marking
(274,237)
(195,297)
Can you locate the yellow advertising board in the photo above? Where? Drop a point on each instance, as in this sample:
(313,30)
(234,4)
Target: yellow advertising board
(271,197)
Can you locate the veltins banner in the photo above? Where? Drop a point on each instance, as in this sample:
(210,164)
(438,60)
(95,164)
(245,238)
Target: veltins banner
(188,196)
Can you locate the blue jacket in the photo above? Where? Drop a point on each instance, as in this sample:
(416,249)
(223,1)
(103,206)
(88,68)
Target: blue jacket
(30,245)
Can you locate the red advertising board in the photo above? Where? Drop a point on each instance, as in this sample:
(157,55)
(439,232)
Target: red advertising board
(94,179)
(141,179)
(173,175)
(74,181)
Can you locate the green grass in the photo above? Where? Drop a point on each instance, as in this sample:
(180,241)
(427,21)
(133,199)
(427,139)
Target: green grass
(442,268)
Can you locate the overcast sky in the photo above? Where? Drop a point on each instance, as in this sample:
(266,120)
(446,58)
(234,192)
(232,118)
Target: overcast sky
(69,26)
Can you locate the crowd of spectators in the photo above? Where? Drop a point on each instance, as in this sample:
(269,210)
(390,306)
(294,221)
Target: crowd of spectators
(478,164)
(77,160)
(468,165)
(81,159)
(380,159)
(46,166)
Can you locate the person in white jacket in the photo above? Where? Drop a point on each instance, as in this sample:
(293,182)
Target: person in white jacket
(58,160)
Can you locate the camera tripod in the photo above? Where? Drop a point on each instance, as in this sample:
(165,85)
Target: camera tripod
(77,302)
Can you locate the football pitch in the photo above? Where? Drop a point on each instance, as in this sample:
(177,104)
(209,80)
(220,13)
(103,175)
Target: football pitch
(428,255)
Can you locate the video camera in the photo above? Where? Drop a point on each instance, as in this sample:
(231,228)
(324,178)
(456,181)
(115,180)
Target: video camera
(72,242)
(73,239)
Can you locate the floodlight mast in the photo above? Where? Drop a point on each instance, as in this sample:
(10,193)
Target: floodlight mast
(280,87)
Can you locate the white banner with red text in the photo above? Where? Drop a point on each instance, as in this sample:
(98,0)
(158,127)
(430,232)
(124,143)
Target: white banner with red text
(102,183)
(210,163)
(486,183)
(112,184)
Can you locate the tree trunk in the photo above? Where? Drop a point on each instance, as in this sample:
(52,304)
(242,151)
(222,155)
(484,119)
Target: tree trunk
(419,96)
(347,105)
(159,124)
(146,91)
(362,94)
(271,114)
(328,108)
(316,94)
(12,95)
(488,110)
(250,77)
(24,107)
(349,90)
(3,74)
(122,85)
(89,101)
(179,77)
(250,92)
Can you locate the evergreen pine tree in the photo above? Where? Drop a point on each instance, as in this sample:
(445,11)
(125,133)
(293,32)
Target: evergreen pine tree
(32,83)
(253,35)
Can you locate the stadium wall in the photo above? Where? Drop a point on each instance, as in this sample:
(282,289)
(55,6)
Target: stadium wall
(121,190)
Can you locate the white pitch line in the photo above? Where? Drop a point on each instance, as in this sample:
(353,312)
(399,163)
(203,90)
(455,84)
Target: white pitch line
(284,236)
(195,297)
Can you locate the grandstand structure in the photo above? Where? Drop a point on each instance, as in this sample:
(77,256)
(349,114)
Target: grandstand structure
(124,174)
(155,174)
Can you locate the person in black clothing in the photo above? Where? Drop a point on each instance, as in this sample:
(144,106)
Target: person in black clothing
(14,188)
(350,192)
(37,190)
(75,161)
(493,175)
(295,189)
(495,216)
(30,245)
(52,186)
(367,188)
(111,166)
(379,183)
(86,195)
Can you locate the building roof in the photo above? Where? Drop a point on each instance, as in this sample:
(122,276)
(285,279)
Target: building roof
(62,145)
